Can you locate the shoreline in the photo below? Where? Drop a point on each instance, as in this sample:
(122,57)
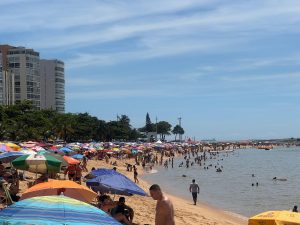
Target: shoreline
(186,213)
(209,214)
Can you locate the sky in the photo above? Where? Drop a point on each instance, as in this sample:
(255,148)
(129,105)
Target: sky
(230,69)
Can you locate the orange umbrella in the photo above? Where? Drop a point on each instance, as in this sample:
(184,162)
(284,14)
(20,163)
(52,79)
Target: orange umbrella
(71,160)
(56,187)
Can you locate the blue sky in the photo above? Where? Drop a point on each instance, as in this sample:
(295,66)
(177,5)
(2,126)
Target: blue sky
(230,69)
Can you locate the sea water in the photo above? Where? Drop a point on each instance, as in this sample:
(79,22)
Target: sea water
(232,189)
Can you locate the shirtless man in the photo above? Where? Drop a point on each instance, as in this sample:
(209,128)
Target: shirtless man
(164,207)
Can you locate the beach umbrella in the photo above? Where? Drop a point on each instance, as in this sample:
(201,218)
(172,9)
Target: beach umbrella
(28,152)
(127,151)
(5,148)
(77,156)
(37,163)
(56,187)
(58,157)
(66,150)
(108,151)
(53,148)
(14,146)
(275,218)
(38,148)
(43,144)
(10,156)
(107,180)
(28,144)
(42,152)
(53,210)
(70,160)
(93,150)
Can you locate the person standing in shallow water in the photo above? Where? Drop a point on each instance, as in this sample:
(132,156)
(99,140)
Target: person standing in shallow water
(164,207)
(194,188)
(295,209)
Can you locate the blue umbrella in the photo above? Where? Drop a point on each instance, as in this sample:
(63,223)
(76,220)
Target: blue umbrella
(77,156)
(111,181)
(10,156)
(65,150)
(53,210)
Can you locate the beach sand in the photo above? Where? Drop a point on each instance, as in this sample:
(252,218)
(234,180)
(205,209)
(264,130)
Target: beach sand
(144,207)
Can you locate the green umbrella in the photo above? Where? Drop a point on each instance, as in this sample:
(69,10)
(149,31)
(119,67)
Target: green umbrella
(37,163)
(58,157)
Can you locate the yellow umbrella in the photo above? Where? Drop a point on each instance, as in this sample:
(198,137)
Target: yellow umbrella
(12,145)
(275,218)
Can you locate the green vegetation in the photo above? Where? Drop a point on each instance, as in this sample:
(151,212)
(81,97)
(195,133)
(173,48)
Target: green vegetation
(22,122)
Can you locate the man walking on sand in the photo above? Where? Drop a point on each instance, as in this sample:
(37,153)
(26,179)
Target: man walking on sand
(164,208)
(194,188)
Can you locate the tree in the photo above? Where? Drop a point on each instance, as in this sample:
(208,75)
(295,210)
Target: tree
(148,126)
(85,128)
(23,122)
(102,131)
(177,130)
(65,126)
(163,129)
(119,130)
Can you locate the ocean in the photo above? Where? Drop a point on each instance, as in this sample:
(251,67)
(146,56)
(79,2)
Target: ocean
(231,189)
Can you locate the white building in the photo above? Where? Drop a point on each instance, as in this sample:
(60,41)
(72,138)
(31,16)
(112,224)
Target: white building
(52,85)
(24,64)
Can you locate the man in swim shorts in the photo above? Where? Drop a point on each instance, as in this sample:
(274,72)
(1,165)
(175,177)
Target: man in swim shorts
(194,188)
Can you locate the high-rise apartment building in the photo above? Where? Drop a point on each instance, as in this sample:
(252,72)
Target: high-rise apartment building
(24,76)
(52,85)
(24,64)
(7,91)
(1,81)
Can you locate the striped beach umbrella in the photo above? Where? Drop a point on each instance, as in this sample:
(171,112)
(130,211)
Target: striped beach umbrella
(10,156)
(14,146)
(5,148)
(37,163)
(52,210)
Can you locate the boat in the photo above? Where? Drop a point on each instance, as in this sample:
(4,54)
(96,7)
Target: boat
(265,147)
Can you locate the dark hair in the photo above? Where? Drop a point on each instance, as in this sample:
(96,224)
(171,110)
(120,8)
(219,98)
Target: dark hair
(155,187)
(193,180)
(102,198)
(121,199)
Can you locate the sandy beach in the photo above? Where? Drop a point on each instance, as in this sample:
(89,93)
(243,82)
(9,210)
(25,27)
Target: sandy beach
(144,207)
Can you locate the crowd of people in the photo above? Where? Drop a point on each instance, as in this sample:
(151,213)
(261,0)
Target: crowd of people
(192,156)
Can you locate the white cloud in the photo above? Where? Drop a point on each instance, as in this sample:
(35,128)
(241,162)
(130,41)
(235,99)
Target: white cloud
(75,13)
(160,49)
(150,22)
